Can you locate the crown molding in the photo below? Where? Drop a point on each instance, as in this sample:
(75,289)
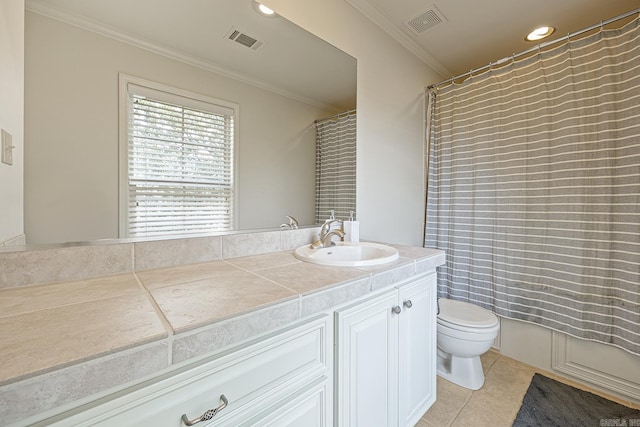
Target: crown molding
(87,24)
(374,15)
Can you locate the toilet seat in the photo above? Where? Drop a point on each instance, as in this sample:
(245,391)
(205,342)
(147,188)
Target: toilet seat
(465,316)
(467,332)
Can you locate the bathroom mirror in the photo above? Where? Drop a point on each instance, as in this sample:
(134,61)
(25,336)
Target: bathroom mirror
(282,77)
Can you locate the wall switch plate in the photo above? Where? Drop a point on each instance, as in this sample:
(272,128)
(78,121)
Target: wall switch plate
(7,147)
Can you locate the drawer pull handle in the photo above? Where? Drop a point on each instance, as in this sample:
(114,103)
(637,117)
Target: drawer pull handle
(408,303)
(397,309)
(207,415)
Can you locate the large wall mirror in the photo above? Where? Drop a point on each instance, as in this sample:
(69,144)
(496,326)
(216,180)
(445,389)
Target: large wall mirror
(76,49)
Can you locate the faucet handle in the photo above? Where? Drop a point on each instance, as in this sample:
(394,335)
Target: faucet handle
(326,227)
(293,223)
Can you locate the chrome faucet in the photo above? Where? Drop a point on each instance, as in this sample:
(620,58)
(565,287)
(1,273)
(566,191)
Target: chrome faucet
(326,231)
(326,227)
(326,242)
(293,223)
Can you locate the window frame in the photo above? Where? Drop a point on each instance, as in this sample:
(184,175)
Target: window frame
(178,96)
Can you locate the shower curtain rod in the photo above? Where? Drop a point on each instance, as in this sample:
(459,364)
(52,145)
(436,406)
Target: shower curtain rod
(335,117)
(537,47)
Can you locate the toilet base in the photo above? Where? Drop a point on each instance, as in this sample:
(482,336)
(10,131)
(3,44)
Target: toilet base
(463,371)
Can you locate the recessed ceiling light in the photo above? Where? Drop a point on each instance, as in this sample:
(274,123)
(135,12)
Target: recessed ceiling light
(539,33)
(263,10)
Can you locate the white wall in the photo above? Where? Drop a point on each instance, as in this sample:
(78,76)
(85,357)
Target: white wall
(390,134)
(71,126)
(11,117)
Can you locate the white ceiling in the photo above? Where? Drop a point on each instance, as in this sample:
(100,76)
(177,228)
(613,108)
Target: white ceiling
(291,61)
(477,32)
(473,34)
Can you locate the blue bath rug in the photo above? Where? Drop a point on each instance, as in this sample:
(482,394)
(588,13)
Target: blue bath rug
(549,403)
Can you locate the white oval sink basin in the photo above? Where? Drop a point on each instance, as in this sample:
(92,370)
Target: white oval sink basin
(345,254)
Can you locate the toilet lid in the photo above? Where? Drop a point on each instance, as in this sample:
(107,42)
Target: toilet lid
(465,314)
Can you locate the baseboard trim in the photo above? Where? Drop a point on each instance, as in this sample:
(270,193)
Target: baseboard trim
(20,239)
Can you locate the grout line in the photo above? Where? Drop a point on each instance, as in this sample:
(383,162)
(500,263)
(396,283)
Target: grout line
(468,399)
(466,402)
(519,398)
(163,319)
(165,322)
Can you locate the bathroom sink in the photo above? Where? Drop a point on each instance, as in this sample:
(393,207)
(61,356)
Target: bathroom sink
(345,254)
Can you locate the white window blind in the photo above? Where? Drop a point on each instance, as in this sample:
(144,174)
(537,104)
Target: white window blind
(180,164)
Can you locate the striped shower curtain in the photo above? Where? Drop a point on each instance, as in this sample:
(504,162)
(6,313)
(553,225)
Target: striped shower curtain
(336,166)
(534,188)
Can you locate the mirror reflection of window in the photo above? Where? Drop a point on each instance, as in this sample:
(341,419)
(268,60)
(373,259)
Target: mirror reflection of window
(179,162)
(72,177)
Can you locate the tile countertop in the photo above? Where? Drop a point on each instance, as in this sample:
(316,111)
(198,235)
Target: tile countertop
(167,316)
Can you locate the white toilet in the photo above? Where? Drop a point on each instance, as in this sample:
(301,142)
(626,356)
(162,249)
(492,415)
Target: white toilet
(465,331)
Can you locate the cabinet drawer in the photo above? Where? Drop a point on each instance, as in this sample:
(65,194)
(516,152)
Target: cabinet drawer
(252,378)
(306,407)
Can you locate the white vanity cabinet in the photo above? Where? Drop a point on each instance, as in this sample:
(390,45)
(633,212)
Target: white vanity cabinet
(417,349)
(385,360)
(283,379)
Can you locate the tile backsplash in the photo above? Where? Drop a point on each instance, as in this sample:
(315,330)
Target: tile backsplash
(68,263)
(64,264)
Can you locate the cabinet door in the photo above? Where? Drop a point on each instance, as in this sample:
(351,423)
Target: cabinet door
(367,363)
(417,349)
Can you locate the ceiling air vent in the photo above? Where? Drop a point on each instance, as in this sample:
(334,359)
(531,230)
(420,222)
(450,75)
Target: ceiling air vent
(426,20)
(244,39)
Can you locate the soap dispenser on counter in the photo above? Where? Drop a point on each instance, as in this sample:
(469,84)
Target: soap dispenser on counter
(351,229)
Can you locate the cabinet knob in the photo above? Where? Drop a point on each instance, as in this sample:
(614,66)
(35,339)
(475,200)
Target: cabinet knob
(396,309)
(207,415)
(408,303)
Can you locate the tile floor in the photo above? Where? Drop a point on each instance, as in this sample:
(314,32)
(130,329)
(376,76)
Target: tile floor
(496,404)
